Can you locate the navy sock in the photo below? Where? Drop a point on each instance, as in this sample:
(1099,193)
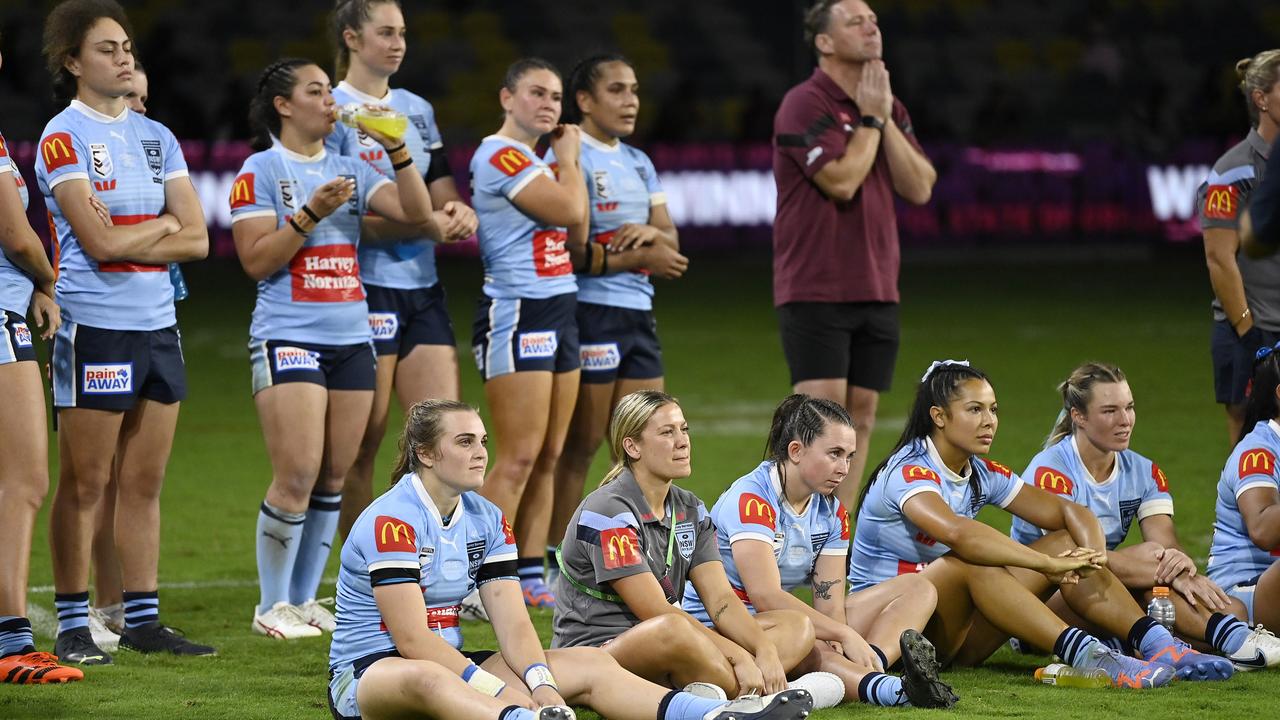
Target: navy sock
(1072,645)
(880,689)
(1225,633)
(73,610)
(141,608)
(529,568)
(15,636)
(884,661)
(677,705)
(1149,637)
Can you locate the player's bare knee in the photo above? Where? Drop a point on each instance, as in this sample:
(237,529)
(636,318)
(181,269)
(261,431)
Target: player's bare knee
(919,592)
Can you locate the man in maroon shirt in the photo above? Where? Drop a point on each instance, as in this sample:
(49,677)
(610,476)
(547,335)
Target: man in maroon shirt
(842,147)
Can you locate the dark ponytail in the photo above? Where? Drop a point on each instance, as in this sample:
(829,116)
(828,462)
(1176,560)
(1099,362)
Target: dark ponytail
(583,79)
(1261,398)
(799,418)
(937,389)
(277,80)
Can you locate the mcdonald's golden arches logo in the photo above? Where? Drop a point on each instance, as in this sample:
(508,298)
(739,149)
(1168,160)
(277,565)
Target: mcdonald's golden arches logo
(1051,480)
(621,548)
(912,473)
(510,161)
(57,150)
(754,509)
(394,535)
(1258,461)
(242,193)
(844,522)
(994,466)
(1162,482)
(1220,202)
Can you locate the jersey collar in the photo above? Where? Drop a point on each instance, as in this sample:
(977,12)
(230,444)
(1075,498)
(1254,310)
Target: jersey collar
(1274,426)
(629,488)
(296,157)
(775,478)
(829,86)
(1115,469)
(1260,146)
(95,115)
(430,504)
(946,471)
(595,144)
(361,97)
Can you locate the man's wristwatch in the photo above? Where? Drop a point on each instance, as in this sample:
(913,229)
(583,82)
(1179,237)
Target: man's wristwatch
(871,121)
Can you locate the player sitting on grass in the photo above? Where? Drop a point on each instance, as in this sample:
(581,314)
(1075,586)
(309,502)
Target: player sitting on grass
(416,552)
(1087,460)
(781,527)
(917,515)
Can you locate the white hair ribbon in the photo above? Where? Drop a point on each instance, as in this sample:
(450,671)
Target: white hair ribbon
(941,363)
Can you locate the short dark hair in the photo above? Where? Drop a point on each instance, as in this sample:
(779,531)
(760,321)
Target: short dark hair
(64,31)
(816,21)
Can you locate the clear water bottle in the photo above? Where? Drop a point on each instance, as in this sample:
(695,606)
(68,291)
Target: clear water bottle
(178,282)
(388,122)
(1160,608)
(1063,675)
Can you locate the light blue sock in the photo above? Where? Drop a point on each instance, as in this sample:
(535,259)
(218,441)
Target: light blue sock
(313,550)
(1225,633)
(73,610)
(1149,637)
(686,706)
(141,608)
(279,535)
(884,690)
(15,636)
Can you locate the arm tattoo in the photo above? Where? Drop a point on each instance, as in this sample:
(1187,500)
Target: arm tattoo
(822,588)
(716,615)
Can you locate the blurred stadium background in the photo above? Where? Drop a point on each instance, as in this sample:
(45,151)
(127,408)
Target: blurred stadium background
(1069,139)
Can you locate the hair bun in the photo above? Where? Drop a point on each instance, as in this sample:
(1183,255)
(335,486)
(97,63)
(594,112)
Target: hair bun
(1242,67)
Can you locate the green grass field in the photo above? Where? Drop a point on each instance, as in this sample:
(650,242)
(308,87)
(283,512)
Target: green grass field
(1027,325)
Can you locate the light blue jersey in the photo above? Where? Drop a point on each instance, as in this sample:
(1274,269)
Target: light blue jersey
(127,160)
(1233,558)
(886,543)
(15,285)
(1137,488)
(622,187)
(317,297)
(753,509)
(401,538)
(410,263)
(522,257)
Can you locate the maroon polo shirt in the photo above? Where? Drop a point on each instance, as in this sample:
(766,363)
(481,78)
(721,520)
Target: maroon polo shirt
(824,250)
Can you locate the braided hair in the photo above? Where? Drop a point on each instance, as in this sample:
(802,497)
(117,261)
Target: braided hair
(278,79)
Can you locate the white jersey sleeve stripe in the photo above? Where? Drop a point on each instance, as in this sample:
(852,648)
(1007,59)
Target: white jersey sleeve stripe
(176,174)
(376,187)
(1159,506)
(1255,484)
(1013,493)
(253,214)
(747,535)
(925,487)
(515,189)
(67,176)
(393,564)
(658,198)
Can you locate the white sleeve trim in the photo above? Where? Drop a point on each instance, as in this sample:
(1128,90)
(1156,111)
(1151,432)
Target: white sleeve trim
(926,487)
(368,197)
(176,174)
(252,214)
(435,145)
(500,557)
(69,176)
(750,535)
(6,167)
(388,564)
(841,551)
(1255,484)
(515,189)
(658,198)
(1155,507)
(1013,493)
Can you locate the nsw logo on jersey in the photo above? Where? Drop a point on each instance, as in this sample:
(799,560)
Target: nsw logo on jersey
(1259,461)
(242,194)
(108,379)
(1162,482)
(510,161)
(391,534)
(100,160)
(1220,202)
(58,151)
(1051,480)
(328,273)
(550,256)
(621,548)
(604,356)
(685,537)
(541,344)
(21,335)
(754,509)
(384,326)
(296,358)
(912,473)
(155,158)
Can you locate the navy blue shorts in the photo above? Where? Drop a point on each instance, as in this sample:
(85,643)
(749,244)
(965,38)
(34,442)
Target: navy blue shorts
(103,369)
(1233,359)
(16,342)
(336,367)
(525,335)
(618,343)
(404,319)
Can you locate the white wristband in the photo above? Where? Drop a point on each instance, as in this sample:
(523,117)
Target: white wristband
(483,680)
(537,675)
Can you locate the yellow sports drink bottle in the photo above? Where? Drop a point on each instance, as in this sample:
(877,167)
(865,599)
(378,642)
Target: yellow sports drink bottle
(388,121)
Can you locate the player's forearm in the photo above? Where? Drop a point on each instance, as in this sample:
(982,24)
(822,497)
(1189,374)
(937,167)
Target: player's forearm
(826,627)
(28,254)
(122,242)
(1083,526)
(521,646)
(981,544)
(271,252)
(189,243)
(1228,286)
(575,189)
(912,174)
